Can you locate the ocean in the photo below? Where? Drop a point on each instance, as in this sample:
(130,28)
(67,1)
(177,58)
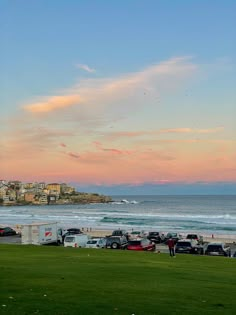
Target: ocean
(206,215)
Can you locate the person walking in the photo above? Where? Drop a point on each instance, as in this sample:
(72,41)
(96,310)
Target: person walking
(171,245)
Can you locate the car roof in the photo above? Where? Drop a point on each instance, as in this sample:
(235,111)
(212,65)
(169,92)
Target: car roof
(72,229)
(80,235)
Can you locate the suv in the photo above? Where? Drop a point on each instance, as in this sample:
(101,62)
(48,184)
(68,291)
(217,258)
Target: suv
(116,242)
(218,249)
(196,237)
(120,233)
(188,247)
(154,237)
(174,236)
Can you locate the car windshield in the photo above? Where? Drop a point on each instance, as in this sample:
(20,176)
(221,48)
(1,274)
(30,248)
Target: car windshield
(172,235)
(134,243)
(214,248)
(69,239)
(192,236)
(183,244)
(92,242)
(113,239)
(154,233)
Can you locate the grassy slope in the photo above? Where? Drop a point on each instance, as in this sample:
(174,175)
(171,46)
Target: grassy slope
(81,281)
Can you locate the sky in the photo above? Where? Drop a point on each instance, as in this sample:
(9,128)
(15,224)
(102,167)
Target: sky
(119,96)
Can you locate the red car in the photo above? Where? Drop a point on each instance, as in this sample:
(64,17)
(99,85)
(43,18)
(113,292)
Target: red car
(143,244)
(7,231)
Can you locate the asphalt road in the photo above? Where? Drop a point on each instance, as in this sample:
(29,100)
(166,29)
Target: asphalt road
(12,239)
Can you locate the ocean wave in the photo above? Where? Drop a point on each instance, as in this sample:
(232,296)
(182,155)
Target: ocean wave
(124,201)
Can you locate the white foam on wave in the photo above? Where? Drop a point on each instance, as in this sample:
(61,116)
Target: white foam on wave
(124,201)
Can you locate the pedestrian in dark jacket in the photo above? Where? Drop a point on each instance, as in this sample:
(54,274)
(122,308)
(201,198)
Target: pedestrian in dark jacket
(171,245)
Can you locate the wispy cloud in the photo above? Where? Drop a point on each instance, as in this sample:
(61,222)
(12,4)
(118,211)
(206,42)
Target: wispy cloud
(103,93)
(53,103)
(141,133)
(73,155)
(100,147)
(85,68)
(63,145)
(191,130)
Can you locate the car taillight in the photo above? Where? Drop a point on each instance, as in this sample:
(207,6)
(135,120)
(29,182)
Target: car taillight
(76,245)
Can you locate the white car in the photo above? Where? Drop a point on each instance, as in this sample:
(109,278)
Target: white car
(77,240)
(96,243)
(134,235)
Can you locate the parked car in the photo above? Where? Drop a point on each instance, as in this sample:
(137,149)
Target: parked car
(174,236)
(196,237)
(218,249)
(143,244)
(154,237)
(7,231)
(71,231)
(189,246)
(77,240)
(120,233)
(136,234)
(116,242)
(96,243)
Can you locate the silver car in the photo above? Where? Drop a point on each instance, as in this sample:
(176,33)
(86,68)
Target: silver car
(96,243)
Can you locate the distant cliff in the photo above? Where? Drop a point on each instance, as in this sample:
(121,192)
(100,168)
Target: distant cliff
(83,198)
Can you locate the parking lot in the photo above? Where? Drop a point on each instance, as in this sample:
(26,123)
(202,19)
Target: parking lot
(16,239)
(11,239)
(164,249)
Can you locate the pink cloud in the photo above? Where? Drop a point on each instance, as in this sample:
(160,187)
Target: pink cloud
(132,134)
(116,151)
(191,130)
(63,145)
(100,147)
(73,155)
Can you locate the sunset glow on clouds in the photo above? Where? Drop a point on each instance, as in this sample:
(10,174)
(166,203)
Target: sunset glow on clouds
(118,157)
(138,118)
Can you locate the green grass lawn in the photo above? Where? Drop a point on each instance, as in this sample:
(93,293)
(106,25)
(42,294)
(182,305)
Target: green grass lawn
(58,280)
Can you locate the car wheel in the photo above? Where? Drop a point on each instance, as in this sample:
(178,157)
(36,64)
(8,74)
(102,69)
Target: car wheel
(114,245)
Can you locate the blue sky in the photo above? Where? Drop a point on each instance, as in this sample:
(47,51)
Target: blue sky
(50,48)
